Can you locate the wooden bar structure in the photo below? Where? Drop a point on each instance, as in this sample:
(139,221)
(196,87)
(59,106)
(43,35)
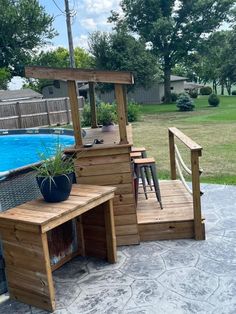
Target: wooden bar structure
(109,163)
(24,234)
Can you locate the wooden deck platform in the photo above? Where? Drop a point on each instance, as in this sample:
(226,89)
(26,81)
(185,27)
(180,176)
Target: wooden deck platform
(175,221)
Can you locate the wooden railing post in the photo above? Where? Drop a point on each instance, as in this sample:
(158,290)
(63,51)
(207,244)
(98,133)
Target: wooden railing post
(198,226)
(126,103)
(172,155)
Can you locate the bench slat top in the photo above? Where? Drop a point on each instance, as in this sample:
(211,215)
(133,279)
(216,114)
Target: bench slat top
(39,212)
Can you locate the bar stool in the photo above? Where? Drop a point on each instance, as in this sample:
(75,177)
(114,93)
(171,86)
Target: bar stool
(143,152)
(139,166)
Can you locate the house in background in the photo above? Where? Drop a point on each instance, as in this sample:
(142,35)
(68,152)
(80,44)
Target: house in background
(19,95)
(58,89)
(152,95)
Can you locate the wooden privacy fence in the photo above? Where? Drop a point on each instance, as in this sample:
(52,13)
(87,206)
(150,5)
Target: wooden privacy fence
(34,113)
(177,165)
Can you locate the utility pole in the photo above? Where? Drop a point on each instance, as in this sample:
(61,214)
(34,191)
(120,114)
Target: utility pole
(69,33)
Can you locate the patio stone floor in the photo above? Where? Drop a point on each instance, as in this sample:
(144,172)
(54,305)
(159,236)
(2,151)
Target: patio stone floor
(164,277)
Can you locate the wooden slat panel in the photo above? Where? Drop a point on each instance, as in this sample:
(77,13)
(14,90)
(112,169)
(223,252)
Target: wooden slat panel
(126,230)
(128,239)
(124,209)
(97,170)
(126,220)
(101,160)
(109,179)
(123,199)
(167,231)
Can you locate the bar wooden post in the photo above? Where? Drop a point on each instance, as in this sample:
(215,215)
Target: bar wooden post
(126,103)
(172,155)
(93,105)
(67,106)
(121,113)
(198,226)
(75,112)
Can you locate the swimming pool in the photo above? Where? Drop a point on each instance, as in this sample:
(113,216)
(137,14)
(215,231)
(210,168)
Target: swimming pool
(22,147)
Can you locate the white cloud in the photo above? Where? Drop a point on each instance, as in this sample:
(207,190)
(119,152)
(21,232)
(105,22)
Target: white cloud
(89,24)
(16,83)
(100,6)
(81,41)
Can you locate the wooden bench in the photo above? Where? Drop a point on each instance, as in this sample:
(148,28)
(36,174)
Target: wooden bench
(24,236)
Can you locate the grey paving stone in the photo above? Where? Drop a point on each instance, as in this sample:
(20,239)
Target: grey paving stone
(189,283)
(226,292)
(107,278)
(13,307)
(215,267)
(95,265)
(101,300)
(178,258)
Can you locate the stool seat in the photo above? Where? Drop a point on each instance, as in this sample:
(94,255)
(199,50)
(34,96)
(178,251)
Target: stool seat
(141,165)
(136,155)
(145,161)
(138,149)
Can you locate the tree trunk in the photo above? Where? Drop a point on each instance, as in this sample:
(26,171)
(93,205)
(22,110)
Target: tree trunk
(222,89)
(214,87)
(167,83)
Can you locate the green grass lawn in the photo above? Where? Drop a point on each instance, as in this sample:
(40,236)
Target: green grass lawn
(213,128)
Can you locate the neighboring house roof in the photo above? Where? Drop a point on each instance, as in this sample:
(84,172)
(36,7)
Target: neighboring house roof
(21,94)
(175,78)
(192,85)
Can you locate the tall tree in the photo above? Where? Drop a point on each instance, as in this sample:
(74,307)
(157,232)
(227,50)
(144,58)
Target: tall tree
(5,76)
(24,25)
(173,27)
(121,51)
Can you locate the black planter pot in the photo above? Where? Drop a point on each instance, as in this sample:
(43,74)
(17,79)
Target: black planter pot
(56,189)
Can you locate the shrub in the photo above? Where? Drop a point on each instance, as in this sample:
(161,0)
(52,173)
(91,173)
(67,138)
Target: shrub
(184,103)
(86,115)
(213,100)
(106,114)
(206,90)
(133,111)
(174,97)
(234,92)
(193,93)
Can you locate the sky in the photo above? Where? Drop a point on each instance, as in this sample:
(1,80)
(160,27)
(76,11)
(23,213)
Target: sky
(90,16)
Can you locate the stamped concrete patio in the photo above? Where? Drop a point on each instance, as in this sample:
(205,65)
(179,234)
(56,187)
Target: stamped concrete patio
(175,277)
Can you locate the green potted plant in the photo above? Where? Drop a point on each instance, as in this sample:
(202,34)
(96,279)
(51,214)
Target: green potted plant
(107,117)
(55,176)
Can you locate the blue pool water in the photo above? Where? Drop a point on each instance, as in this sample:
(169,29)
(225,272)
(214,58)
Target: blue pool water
(21,150)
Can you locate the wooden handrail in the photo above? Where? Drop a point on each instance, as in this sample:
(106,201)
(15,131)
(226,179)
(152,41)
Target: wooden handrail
(195,152)
(185,139)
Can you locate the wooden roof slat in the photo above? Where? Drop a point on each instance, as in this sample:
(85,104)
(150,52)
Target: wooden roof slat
(82,75)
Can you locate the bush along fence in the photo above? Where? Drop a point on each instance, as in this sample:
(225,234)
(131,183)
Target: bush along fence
(42,112)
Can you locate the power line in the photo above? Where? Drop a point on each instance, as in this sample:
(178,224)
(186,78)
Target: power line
(63,12)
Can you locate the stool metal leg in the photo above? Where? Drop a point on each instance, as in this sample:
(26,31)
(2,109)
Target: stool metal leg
(142,173)
(147,172)
(156,183)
